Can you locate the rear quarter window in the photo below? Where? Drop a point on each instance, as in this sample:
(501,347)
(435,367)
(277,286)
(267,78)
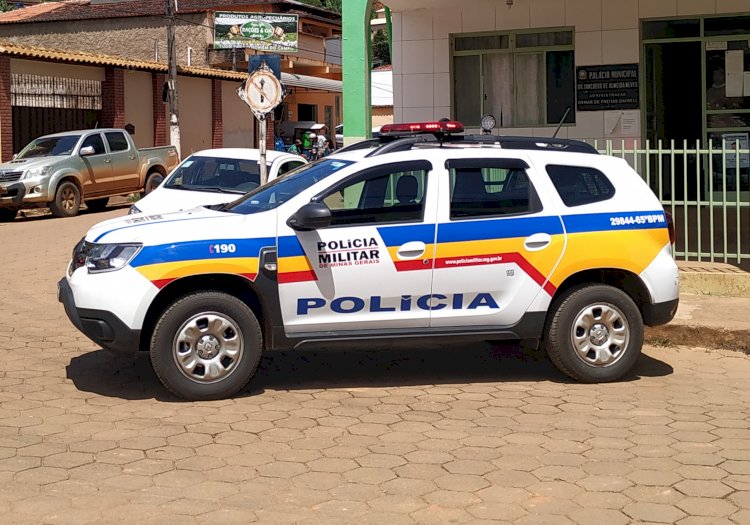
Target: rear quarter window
(579,185)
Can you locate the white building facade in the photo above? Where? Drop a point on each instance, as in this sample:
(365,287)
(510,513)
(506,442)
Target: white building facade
(627,69)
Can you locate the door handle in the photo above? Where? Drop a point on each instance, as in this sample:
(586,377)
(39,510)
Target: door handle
(538,241)
(107,161)
(411,250)
(131,157)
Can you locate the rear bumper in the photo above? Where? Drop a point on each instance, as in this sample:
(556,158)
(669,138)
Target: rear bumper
(660,313)
(102,327)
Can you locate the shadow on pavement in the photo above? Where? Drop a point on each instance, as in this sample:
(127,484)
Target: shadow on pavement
(131,377)
(40,214)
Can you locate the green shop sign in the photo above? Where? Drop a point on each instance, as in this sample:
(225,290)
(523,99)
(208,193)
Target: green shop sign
(262,31)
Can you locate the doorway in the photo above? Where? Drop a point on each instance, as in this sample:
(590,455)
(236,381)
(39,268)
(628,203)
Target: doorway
(308,112)
(674,100)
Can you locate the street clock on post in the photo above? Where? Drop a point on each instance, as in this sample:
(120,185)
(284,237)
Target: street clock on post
(262,91)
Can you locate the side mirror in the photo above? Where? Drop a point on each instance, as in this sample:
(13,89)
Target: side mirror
(14,156)
(86,150)
(311,216)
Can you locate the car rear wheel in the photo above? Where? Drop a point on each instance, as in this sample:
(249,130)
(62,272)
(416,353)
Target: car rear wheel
(595,334)
(206,345)
(152,182)
(67,200)
(97,204)
(7,214)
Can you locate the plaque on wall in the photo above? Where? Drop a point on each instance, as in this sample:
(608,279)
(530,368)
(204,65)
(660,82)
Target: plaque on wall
(604,88)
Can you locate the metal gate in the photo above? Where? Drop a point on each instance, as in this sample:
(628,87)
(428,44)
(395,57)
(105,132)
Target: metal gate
(706,188)
(44,104)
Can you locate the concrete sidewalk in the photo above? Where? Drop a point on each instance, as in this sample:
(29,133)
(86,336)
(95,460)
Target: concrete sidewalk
(713,311)
(714,295)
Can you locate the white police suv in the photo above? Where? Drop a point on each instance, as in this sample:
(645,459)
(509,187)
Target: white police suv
(427,234)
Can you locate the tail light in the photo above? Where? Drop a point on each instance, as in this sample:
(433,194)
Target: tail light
(670,228)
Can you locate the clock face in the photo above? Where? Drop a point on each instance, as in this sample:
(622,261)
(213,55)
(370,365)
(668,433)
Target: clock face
(263,91)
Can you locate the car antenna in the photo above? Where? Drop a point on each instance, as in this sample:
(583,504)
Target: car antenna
(561,122)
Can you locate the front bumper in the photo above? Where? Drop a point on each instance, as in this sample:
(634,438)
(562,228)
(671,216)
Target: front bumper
(102,327)
(12,194)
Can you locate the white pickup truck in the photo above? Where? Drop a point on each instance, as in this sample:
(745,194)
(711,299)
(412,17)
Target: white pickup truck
(64,169)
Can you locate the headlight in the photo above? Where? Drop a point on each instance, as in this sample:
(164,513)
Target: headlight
(110,257)
(133,210)
(36,172)
(80,250)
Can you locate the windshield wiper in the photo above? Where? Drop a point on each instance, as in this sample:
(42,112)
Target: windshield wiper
(203,188)
(214,188)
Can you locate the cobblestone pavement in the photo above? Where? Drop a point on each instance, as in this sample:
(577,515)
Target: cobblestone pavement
(470,435)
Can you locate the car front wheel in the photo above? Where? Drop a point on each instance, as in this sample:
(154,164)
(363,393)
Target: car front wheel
(67,200)
(595,334)
(206,345)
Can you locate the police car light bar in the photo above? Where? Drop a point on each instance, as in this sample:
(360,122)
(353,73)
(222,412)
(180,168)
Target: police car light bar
(414,128)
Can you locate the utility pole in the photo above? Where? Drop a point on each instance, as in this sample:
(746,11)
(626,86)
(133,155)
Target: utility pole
(174,123)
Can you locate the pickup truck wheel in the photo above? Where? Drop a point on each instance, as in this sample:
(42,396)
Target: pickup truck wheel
(206,345)
(152,182)
(595,334)
(97,204)
(67,200)
(7,214)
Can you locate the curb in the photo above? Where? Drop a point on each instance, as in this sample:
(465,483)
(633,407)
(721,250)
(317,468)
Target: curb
(715,283)
(713,278)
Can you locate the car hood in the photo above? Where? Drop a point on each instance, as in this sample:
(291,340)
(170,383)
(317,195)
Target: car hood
(28,164)
(189,227)
(166,200)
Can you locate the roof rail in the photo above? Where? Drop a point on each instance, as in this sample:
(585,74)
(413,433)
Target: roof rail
(362,144)
(401,144)
(386,144)
(528,143)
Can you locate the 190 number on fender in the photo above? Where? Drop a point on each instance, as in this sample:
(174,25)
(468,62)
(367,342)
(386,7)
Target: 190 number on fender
(222,248)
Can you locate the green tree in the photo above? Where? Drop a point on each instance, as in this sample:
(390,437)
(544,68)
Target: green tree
(5,6)
(331,5)
(381,53)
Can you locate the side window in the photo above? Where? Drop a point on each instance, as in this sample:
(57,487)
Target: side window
(96,142)
(379,197)
(289,166)
(490,192)
(578,185)
(117,141)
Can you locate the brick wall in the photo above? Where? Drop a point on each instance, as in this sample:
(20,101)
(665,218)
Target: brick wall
(159,110)
(113,98)
(217,123)
(269,133)
(6,112)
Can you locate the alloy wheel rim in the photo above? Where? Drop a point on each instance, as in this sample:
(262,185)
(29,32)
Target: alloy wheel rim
(600,335)
(208,347)
(68,199)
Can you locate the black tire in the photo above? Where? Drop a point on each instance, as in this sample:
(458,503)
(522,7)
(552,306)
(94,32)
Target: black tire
(200,310)
(604,316)
(7,214)
(67,200)
(97,204)
(152,182)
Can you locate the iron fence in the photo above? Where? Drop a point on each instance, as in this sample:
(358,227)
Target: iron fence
(706,188)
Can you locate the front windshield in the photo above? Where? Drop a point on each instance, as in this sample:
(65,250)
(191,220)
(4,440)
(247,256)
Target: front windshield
(287,186)
(216,174)
(49,147)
